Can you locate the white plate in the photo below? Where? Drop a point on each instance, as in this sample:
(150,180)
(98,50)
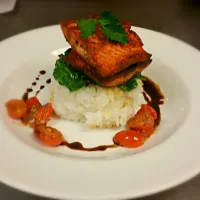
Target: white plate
(167,159)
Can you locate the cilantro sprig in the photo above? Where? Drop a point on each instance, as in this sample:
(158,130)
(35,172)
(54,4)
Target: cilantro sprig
(112,28)
(87,27)
(110,24)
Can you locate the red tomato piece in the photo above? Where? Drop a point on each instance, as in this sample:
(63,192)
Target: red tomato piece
(32,102)
(48,135)
(16,108)
(144,120)
(31,114)
(129,138)
(43,114)
(149,109)
(33,105)
(147,132)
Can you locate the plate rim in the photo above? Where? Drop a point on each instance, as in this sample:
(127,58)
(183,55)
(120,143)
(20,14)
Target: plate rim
(163,188)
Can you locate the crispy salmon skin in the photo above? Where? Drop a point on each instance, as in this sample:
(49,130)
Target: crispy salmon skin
(103,56)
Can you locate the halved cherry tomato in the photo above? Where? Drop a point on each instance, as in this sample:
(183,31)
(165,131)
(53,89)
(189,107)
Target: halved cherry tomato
(141,121)
(149,109)
(48,135)
(33,105)
(129,138)
(43,114)
(32,102)
(147,132)
(31,114)
(144,120)
(16,108)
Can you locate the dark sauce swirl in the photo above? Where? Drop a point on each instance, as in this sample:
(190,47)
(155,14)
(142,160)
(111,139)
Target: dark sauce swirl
(42,72)
(29,90)
(153,97)
(79,146)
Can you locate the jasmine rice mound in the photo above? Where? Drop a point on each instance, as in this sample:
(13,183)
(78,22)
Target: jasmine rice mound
(96,106)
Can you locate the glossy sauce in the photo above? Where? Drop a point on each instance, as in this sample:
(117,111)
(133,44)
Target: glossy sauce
(79,146)
(28,90)
(42,72)
(34,84)
(48,81)
(152,90)
(41,88)
(25,95)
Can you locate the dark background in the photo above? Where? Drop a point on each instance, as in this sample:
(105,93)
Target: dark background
(179,18)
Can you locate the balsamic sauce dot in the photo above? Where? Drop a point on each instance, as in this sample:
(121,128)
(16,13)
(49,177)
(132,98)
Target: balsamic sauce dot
(41,87)
(29,90)
(42,72)
(48,81)
(34,83)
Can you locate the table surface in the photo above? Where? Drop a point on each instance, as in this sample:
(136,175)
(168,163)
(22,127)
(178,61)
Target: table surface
(179,18)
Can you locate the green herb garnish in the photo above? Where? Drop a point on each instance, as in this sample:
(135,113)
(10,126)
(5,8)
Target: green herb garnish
(69,77)
(112,28)
(139,76)
(87,27)
(110,24)
(132,83)
(67,52)
(129,85)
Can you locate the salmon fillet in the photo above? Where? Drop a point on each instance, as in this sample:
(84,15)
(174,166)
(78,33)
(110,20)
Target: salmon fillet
(104,57)
(121,77)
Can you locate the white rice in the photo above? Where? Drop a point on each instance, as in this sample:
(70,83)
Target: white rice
(97,106)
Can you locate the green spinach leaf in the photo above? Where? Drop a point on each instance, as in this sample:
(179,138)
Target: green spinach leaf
(69,77)
(129,85)
(132,83)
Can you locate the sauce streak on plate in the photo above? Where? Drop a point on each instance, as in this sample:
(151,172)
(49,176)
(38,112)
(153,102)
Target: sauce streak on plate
(79,146)
(29,90)
(152,90)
